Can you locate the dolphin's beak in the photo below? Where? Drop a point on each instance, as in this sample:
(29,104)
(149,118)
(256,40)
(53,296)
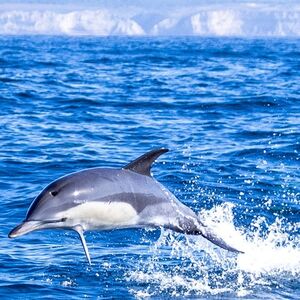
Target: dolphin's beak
(25,227)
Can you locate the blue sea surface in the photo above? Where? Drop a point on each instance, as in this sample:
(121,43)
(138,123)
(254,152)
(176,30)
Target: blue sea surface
(229,111)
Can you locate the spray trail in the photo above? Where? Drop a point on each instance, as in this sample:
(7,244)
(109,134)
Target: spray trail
(183,265)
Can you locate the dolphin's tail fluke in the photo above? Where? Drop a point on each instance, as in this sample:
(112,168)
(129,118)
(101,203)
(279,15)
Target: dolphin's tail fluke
(212,237)
(194,226)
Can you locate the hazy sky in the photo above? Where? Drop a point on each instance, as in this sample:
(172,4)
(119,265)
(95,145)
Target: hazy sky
(141,3)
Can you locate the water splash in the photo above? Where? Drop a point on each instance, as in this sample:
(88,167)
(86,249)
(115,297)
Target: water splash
(183,266)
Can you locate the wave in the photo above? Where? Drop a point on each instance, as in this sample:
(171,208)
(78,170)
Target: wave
(272,257)
(244,20)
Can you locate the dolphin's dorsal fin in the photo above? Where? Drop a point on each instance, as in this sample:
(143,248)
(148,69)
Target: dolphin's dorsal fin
(142,165)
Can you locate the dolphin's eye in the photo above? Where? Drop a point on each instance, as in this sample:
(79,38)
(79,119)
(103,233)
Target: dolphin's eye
(54,193)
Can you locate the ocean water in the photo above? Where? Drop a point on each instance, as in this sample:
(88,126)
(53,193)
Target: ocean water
(229,111)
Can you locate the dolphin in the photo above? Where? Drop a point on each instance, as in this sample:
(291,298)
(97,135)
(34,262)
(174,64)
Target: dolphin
(106,199)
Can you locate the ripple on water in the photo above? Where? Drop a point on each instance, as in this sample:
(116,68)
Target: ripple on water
(229,111)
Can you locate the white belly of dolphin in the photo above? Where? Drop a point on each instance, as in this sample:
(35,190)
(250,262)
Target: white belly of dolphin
(101,215)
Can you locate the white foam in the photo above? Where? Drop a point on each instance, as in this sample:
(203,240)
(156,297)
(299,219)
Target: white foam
(197,267)
(267,253)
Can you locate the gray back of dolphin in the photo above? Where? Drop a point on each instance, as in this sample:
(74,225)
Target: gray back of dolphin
(102,198)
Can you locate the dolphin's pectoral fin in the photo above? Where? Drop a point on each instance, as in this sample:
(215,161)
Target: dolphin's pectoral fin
(142,164)
(79,230)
